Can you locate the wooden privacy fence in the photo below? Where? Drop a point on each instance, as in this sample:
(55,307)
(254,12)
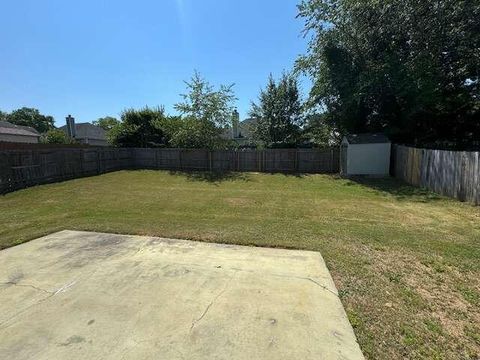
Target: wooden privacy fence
(451,173)
(23,168)
(271,160)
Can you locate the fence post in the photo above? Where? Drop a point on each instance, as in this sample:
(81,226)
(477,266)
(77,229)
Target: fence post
(476,182)
(210,160)
(98,161)
(295,161)
(264,160)
(331,161)
(82,166)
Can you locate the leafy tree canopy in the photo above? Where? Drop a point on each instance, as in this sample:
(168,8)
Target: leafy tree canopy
(204,103)
(278,113)
(56,136)
(318,132)
(139,128)
(31,117)
(107,123)
(406,67)
(189,132)
(205,113)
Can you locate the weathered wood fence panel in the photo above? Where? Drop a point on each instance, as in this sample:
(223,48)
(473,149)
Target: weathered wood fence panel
(451,173)
(271,160)
(23,168)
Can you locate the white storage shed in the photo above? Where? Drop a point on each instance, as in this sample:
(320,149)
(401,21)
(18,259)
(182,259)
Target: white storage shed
(365,154)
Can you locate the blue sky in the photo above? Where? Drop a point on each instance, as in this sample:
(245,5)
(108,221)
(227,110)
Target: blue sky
(94,58)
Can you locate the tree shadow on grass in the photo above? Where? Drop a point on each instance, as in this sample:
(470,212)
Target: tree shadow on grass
(299,175)
(213,177)
(398,188)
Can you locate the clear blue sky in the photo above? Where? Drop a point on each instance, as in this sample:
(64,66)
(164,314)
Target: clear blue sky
(94,58)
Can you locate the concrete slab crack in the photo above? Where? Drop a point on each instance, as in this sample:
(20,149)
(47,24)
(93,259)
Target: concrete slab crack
(26,285)
(65,287)
(326,288)
(322,286)
(23,311)
(195,322)
(6,323)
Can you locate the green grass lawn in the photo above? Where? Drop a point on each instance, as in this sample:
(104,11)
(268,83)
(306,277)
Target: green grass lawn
(406,262)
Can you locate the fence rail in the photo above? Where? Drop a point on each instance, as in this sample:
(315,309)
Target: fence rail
(24,168)
(451,173)
(40,146)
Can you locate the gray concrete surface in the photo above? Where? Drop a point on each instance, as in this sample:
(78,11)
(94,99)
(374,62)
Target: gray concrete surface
(78,295)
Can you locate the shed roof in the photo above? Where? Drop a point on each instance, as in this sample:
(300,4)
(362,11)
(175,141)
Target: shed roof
(367,139)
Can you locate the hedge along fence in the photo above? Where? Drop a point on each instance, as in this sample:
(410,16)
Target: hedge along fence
(24,168)
(451,173)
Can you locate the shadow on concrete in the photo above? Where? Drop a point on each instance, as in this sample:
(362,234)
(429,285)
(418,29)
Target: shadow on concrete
(398,188)
(212,176)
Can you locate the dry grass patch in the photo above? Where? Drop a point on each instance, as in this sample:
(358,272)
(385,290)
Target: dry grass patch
(239,201)
(429,308)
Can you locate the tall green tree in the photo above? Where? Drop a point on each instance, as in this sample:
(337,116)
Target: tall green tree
(107,123)
(31,117)
(406,67)
(204,103)
(318,132)
(3,116)
(188,132)
(278,113)
(139,128)
(205,113)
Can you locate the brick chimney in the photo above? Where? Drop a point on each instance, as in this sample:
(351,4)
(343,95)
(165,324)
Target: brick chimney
(71,126)
(235,123)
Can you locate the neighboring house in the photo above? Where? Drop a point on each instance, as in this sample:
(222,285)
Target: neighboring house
(240,131)
(85,133)
(245,129)
(19,134)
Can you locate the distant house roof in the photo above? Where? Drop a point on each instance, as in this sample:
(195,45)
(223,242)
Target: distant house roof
(87,131)
(367,139)
(246,127)
(250,121)
(12,129)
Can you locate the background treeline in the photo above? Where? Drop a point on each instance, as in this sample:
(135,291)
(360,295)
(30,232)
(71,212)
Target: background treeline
(407,68)
(205,113)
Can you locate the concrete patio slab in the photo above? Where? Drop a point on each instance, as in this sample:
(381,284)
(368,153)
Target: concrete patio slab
(79,295)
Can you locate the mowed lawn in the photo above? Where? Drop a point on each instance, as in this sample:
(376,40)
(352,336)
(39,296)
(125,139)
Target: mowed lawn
(406,261)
